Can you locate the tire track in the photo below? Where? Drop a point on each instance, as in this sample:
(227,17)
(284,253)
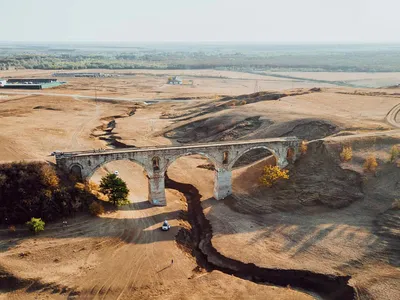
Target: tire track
(393,115)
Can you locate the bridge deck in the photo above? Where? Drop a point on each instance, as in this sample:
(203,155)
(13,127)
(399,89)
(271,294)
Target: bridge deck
(187,147)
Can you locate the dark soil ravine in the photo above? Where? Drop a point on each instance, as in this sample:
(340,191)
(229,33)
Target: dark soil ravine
(108,136)
(327,286)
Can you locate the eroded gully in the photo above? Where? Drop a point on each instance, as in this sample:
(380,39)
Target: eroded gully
(326,286)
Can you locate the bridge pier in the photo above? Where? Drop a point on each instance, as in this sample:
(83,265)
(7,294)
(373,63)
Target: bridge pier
(157,190)
(222,183)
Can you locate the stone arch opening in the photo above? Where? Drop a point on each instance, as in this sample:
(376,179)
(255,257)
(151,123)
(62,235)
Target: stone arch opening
(76,171)
(199,155)
(290,155)
(225,157)
(254,155)
(248,168)
(156,163)
(197,169)
(132,172)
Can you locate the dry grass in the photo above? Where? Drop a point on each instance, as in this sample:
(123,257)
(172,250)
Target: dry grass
(396,204)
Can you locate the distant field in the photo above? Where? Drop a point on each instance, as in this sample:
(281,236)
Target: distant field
(353,79)
(244,57)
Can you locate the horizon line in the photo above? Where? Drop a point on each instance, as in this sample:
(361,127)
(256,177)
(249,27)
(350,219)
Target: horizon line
(212,42)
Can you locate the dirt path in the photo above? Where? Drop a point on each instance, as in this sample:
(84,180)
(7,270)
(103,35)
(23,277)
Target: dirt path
(393,116)
(77,96)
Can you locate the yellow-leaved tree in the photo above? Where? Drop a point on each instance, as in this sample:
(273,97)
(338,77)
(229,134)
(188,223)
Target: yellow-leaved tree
(370,164)
(272,174)
(346,154)
(303,147)
(394,153)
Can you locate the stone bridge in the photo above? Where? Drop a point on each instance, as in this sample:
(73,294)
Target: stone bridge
(156,160)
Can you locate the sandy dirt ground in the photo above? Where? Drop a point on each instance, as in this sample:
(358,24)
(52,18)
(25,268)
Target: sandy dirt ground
(363,79)
(124,255)
(145,84)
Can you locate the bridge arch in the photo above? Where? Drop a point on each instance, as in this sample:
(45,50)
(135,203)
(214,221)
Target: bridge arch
(130,171)
(76,170)
(290,154)
(97,166)
(243,152)
(211,158)
(197,164)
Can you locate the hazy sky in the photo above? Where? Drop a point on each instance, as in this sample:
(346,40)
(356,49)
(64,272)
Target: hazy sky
(201,20)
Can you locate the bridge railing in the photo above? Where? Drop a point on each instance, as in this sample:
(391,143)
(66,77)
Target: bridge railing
(149,148)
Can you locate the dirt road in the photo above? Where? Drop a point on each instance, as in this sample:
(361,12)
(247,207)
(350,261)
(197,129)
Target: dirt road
(77,96)
(393,116)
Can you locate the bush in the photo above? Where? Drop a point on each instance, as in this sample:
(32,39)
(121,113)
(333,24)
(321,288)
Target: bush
(272,174)
(12,229)
(346,154)
(394,153)
(370,164)
(92,187)
(396,204)
(35,225)
(96,208)
(233,103)
(303,147)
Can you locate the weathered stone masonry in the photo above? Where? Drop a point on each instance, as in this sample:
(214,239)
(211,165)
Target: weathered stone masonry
(156,160)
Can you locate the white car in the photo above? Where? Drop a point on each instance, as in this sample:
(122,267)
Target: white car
(116,173)
(165,226)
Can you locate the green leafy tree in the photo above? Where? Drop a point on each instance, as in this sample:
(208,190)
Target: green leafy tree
(115,189)
(36,225)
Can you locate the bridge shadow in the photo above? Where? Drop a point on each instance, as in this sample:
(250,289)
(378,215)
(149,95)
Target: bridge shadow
(143,205)
(301,232)
(299,238)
